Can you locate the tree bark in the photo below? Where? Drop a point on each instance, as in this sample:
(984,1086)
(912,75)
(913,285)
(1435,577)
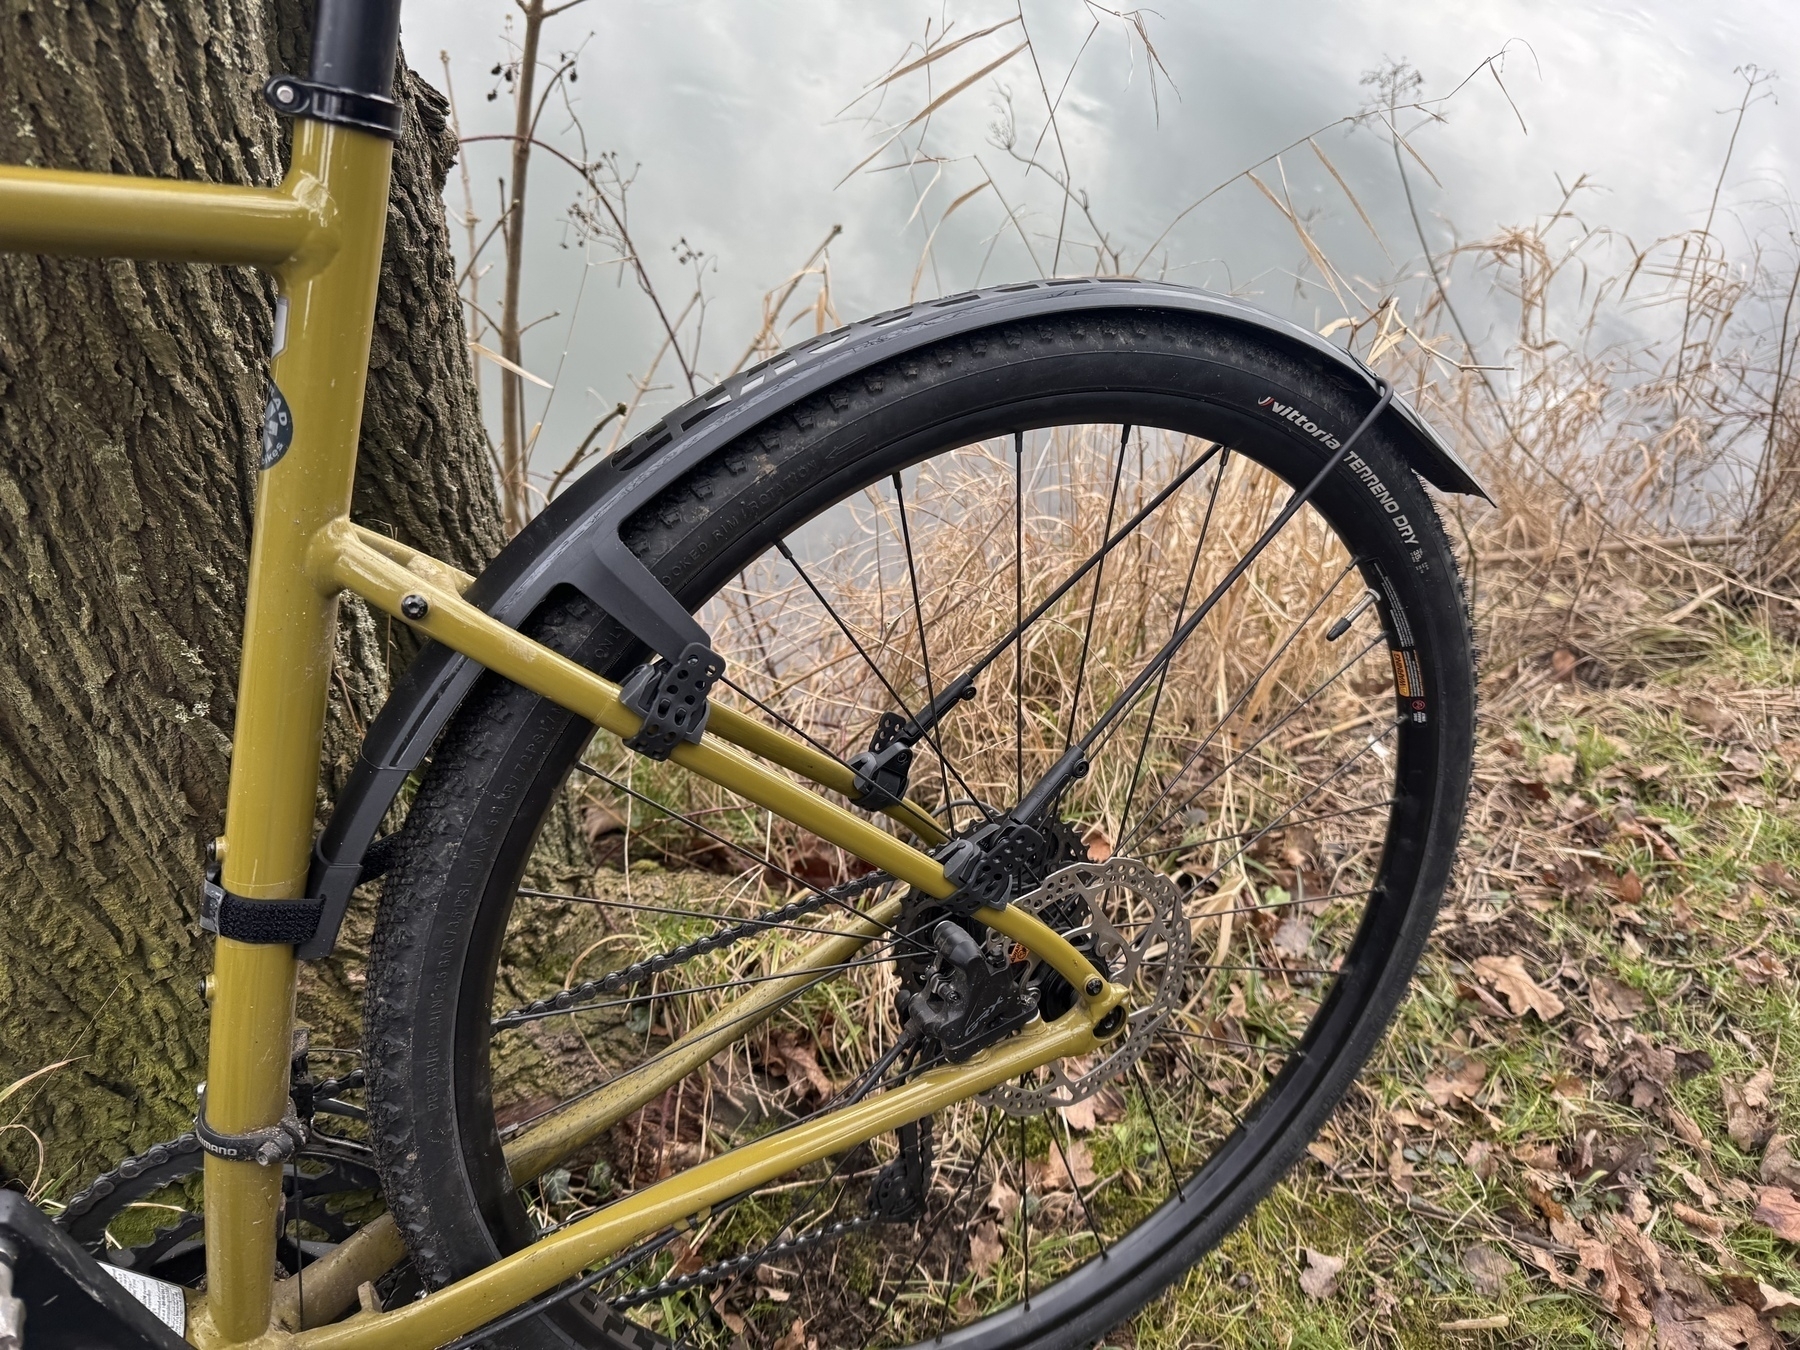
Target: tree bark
(130,397)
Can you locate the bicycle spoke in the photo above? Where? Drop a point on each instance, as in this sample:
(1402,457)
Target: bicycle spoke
(1300,706)
(1018,636)
(912,576)
(1187,589)
(1389,804)
(584,767)
(1087,632)
(1074,1184)
(1156,1125)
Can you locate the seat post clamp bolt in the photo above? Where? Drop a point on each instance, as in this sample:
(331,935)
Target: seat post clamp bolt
(415,607)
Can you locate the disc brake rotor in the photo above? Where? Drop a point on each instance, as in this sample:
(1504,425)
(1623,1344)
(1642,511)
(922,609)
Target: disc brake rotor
(1128,920)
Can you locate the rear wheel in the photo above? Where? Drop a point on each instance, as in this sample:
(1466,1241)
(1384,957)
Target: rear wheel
(1257,845)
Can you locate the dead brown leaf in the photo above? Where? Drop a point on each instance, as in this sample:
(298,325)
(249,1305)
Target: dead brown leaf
(1760,968)
(1003,1200)
(1747,1119)
(1557,770)
(1615,1000)
(1099,843)
(1701,1324)
(1779,1211)
(1460,1081)
(1508,976)
(1053,1175)
(985,1248)
(1710,1224)
(796,1337)
(1705,713)
(1776,877)
(1629,888)
(1319,1279)
(1488,1268)
(1621,1291)
(1563,663)
(1779,1166)
(1482,1159)
(789,1056)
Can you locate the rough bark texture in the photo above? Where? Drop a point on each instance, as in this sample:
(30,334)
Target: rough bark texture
(129,399)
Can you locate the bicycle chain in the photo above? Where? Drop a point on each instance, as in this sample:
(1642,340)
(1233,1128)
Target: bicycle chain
(158,1154)
(735,1265)
(638,972)
(129,1170)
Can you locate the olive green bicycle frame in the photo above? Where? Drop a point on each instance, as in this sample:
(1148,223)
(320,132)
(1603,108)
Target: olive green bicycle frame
(319,234)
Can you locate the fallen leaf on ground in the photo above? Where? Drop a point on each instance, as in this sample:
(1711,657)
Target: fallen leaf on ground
(984,1247)
(1700,1324)
(1563,663)
(1747,1120)
(1557,770)
(1687,1131)
(1779,1212)
(1776,877)
(1621,1291)
(1760,968)
(1293,939)
(1099,843)
(1773,1300)
(1003,1200)
(791,1058)
(1319,1279)
(1459,1082)
(1615,1000)
(1323,1152)
(1709,1224)
(1643,1075)
(1779,1166)
(1629,888)
(1482,1159)
(1052,1175)
(1508,975)
(1488,1268)
(795,1338)
(1540,1157)
(1704,712)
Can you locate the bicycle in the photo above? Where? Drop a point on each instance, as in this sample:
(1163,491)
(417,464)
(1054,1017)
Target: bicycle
(1172,920)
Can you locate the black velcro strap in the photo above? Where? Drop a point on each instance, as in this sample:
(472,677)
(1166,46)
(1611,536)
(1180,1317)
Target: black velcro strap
(263,921)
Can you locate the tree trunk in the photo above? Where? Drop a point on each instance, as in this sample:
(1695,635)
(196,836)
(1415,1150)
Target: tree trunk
(130,397)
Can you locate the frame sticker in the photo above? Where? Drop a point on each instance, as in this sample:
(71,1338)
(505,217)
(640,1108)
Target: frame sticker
(277,427)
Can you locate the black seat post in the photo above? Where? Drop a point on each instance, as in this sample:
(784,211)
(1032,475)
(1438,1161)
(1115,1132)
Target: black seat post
(354,45)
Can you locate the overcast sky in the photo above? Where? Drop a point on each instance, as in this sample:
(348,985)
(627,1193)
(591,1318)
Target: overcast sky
(733,113)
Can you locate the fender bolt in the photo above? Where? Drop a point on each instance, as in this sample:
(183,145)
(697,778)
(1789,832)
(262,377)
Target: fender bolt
(415,606)
(1094,986)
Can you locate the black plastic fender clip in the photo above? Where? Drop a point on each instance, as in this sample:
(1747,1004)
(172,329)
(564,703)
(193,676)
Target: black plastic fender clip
(295,97)
(671,698)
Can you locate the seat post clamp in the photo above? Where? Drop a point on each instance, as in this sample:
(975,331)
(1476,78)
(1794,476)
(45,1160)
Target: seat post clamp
(265,1146)
(296,97)
(671,698)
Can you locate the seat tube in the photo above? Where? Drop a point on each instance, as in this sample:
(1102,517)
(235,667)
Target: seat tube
(324,321)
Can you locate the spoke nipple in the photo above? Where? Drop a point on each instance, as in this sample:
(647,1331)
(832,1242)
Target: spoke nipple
(415,607)
(1094,985)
